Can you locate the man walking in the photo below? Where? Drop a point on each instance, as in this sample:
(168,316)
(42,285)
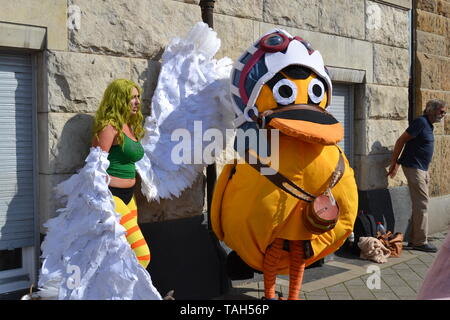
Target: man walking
(418,141)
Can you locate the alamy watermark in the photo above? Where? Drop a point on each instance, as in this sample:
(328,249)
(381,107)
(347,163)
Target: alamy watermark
(74,17)
(203,147)
(374,280)
(73,281)
(373,12)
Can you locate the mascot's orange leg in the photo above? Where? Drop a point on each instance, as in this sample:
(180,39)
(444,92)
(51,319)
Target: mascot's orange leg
(296,268)
(271,259)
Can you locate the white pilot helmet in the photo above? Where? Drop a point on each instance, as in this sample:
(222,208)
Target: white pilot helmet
(270,54)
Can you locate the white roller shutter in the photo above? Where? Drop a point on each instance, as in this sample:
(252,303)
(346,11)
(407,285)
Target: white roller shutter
(342,109)
(17,194)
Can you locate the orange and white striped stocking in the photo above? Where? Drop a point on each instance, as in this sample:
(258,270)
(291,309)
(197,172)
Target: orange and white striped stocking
(134,235)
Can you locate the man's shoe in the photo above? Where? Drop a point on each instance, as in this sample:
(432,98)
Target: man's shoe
(426,247)
(409,246)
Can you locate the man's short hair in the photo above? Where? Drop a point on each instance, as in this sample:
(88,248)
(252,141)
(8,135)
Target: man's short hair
(433,104)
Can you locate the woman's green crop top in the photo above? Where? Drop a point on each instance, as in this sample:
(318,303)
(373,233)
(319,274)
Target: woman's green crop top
(122,158)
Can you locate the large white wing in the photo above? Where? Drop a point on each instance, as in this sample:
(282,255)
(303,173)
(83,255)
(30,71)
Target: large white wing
(191,97)
(85,252)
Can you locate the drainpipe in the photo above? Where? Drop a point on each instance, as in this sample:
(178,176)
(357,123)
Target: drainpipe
(211,174)
(207,7)
(412,76)
(207,11)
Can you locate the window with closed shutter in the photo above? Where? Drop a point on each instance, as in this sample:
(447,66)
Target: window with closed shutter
(17,192)
(342,109)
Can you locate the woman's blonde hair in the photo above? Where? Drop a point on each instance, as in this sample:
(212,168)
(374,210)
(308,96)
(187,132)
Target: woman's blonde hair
(115,110)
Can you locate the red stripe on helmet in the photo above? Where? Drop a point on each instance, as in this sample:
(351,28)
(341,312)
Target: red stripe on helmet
(250,64)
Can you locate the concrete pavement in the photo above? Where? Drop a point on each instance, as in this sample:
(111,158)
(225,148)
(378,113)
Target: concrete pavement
(347,277)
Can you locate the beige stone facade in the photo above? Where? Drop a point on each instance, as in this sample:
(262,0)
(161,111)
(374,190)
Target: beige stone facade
(433,81)
(366,44)
(48,14)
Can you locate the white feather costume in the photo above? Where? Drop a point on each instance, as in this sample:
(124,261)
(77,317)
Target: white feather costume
(86,254)
(192,87)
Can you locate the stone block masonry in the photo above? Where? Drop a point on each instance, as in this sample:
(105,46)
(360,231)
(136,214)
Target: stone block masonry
(126,39)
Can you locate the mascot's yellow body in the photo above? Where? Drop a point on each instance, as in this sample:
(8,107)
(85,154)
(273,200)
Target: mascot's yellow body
(249,213)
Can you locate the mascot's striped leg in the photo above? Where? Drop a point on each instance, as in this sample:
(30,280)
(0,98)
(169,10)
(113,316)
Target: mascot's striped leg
(271,259)
(134,235)
(296,268)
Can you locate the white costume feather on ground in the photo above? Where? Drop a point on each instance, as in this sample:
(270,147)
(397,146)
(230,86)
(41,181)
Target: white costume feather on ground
(192,86)
(86,254)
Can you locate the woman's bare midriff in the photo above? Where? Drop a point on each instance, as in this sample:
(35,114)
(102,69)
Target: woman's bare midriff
(121,183)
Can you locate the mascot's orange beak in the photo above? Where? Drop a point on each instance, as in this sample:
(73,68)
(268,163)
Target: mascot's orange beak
(307,125)
(301,113)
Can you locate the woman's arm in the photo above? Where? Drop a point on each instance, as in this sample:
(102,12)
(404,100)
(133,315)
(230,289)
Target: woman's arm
(105,138)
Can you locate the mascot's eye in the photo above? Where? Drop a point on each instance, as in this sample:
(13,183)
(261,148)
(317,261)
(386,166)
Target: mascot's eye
(316,90)
(284,91)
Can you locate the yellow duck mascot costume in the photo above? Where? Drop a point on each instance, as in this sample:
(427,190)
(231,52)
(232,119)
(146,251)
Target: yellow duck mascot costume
(281,223)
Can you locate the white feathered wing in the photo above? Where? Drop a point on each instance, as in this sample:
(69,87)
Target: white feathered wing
(192,92)
(86,254)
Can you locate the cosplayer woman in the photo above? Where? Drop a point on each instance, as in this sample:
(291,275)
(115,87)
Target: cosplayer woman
(97,226)
(94,248)
(117,130)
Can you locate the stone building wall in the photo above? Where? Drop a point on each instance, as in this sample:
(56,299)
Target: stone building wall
(120,38)
(365,43)
(352,35)
(114,39)
(433,81)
